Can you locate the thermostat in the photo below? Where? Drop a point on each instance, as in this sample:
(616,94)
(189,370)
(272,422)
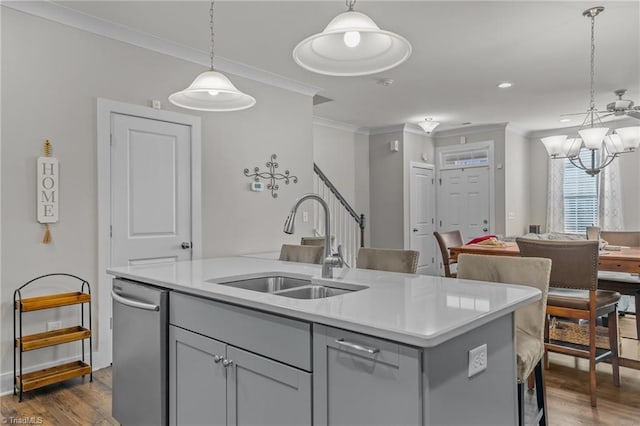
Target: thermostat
(256,186)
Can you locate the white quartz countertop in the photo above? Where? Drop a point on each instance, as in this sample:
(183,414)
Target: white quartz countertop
(418,310)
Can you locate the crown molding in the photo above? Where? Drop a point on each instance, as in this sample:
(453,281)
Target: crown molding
(416,130)
(396,128)
(72,18)
(480,128)
(515,128)
(338,125)
(612,124)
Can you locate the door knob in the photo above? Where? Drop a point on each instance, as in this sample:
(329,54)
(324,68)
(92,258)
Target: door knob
(185,245)
(485,229)
(415,229)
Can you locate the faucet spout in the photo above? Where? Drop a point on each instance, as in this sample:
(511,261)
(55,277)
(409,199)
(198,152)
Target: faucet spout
(328,262)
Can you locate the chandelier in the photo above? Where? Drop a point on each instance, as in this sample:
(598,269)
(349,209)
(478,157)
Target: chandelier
(212,90)
(592,135)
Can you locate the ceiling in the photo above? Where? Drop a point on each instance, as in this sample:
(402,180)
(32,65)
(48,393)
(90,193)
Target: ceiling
(461,51)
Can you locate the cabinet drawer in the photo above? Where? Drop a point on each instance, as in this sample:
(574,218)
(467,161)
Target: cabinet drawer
(283,339)
(361,345)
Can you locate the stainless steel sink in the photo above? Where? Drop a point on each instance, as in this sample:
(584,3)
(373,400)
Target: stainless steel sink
(296,288)
(313,292)
(268,284)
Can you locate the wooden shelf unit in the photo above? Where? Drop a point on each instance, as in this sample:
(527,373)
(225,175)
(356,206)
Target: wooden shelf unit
(53,301)
(23,382)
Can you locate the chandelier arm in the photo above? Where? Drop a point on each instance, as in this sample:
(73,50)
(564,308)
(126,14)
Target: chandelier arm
(577,165)
(608,161)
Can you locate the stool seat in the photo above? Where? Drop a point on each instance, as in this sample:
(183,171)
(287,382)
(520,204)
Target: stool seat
(579,299)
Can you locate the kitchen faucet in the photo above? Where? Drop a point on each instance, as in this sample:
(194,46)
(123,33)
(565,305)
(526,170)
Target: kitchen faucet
(330,259)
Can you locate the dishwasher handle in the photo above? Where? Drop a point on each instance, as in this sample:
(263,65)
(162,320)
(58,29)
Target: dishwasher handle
(134,303)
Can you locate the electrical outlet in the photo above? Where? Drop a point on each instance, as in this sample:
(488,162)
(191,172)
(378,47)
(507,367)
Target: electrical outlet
(305,216)
(54,325)
(477,360)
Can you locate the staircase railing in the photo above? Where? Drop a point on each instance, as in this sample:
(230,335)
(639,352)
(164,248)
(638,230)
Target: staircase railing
(346,225)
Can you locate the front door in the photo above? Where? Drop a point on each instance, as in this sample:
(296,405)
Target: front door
(463,201)
(150,191)
(422,217)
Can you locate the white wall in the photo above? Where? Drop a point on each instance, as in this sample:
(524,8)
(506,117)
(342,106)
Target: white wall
(343,156)
(52,76)
(516,183)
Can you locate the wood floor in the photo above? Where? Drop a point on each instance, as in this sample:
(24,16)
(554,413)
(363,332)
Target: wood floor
(79,402)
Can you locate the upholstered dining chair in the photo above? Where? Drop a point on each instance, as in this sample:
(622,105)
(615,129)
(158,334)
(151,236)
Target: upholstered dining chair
(314,241)
(574,293)
(389,260)
(529,320)
(621,238)
(446,240)
(301,254)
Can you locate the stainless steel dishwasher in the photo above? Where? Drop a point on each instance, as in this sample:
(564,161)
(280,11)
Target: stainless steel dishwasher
(140,354)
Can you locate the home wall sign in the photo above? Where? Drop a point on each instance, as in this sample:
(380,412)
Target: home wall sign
(272,176)
(47,190)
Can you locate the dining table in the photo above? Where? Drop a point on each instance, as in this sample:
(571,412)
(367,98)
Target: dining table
(617,271)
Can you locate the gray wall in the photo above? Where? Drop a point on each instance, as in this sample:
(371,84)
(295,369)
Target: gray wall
(52,76)
(389,184)
(387,198)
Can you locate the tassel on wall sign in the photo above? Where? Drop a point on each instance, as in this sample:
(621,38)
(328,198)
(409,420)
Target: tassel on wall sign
(47,190)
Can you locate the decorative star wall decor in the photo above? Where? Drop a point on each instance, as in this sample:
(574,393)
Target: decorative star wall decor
(271,176)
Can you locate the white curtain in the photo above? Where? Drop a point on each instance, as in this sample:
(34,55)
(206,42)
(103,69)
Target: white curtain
(610,212)
(555,196)
(610,198)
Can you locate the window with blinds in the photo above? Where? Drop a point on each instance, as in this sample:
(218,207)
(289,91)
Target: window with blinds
(580,197)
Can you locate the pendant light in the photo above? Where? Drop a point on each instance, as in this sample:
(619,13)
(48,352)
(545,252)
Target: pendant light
(351,45)
(212,90)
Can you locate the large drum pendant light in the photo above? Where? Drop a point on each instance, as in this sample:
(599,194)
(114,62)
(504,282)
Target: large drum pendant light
(351,45)
(212,90)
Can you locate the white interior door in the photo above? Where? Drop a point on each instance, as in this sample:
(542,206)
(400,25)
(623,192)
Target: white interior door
(422,217)
(463,201)
(150,191)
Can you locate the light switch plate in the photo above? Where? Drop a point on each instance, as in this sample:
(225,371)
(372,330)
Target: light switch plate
(477,360)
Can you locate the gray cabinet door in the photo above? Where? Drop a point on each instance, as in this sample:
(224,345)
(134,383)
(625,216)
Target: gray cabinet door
(361,380)
(264,392)
(197,384)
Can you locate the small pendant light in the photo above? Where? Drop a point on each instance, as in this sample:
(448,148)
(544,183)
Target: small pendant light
(212,90)
(351,45)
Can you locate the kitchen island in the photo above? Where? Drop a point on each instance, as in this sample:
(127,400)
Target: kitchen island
(393,349)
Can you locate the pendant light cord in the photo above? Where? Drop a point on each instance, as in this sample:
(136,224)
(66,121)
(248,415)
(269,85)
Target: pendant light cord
(350,4)
(212,33)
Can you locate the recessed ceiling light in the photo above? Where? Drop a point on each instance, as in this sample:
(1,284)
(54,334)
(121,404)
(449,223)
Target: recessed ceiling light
(565,120)
(505,85)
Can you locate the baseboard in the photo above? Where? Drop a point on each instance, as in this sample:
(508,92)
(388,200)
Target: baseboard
(6,379)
